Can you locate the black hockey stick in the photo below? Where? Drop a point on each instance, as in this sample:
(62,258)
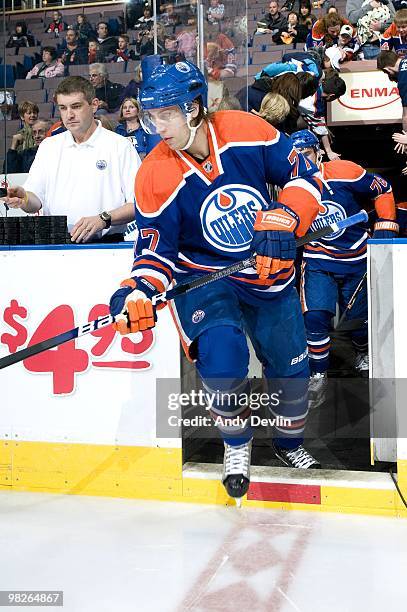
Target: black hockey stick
(352,324)
(179,290)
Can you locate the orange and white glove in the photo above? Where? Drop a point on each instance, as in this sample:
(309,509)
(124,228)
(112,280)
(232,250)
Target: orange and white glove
(132,307)
(273,240)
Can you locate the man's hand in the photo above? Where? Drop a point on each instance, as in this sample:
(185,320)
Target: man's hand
(17,140)
(132,308)
(273,241)
(16,197)
(85,228)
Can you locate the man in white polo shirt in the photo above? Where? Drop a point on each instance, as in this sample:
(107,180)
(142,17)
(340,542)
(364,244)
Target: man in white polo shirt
(86,173)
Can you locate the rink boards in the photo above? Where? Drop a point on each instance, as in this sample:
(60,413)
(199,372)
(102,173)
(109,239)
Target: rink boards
(82,420)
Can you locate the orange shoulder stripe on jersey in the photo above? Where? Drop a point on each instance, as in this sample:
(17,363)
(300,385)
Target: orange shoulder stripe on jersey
(302,202)
(158,179)
(239,126)
(318,31)
(386,206)
(342,169)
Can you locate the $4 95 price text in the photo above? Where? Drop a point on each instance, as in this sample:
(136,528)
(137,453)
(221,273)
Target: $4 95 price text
(66,360)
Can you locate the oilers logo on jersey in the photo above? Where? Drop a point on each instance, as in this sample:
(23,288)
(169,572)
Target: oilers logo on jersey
(329,212)
(228,214)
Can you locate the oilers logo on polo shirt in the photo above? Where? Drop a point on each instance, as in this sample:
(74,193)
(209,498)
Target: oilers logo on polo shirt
(228,214)
(329,213)
(101,164)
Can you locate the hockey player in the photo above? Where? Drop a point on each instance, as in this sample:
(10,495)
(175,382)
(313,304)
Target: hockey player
(333,267)
(201,202)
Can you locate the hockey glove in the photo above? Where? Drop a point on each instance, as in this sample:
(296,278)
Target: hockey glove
(132,307)
(273,240)
(385,229)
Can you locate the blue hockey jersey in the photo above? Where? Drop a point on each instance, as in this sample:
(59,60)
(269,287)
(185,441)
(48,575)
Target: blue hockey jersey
(347,186)
(195,217)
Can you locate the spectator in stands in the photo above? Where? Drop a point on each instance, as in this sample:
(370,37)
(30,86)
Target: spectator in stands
(20,37)
(273,21)
(396,69)
(94,55)
(306,18)
(146,21)
(130,127)
(190,15)
(20,161)
(219,62)
(325,31)
(145,41)
(28,112)
(57,24)
(274,109)
(49,68)
(84,30)
(395,37)
(357,11)
(123,52)
(71,53)
(170,19)
(331,8)
(109,94)
(7,105)
(95,170)
(216,12)
(288,86)
(349,43)
(187,42)
(292,33)
(313,109)
(107,44)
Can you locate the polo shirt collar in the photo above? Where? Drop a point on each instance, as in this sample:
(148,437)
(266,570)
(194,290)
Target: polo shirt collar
(91,142)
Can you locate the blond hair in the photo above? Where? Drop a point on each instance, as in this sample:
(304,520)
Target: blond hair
(274,108)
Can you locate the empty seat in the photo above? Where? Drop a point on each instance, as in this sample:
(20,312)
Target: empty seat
(116,67)
(34,96)
(46,109)
(28,84)
(81,70)
(123,79)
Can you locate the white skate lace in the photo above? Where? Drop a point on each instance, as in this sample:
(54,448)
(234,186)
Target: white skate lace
(237,459)
(362,361)
(300,458)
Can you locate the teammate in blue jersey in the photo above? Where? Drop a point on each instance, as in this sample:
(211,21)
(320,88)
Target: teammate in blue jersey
(334,266)
(202,203)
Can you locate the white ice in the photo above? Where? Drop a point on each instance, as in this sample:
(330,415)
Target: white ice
(115,555)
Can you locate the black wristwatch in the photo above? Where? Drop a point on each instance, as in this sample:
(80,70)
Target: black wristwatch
(106,218)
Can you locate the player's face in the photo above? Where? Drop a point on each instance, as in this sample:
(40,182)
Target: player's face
(76,112)
(309,154)
(171,124)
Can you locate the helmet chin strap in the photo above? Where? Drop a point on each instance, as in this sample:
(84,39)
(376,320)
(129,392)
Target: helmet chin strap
(192,132)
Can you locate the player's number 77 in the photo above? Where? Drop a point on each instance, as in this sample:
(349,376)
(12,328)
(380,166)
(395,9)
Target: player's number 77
(179,290)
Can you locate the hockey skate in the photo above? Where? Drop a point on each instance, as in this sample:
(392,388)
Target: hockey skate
(236,470)
(296,457)
(362,364)
(317,388)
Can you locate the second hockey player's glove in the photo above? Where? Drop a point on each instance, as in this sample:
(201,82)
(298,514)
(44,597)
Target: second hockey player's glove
(273,240)
(385,229)
(132,307)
